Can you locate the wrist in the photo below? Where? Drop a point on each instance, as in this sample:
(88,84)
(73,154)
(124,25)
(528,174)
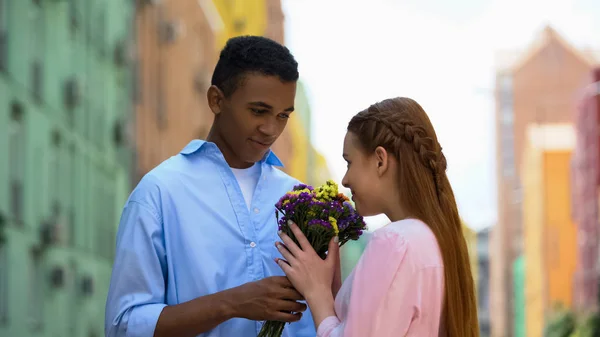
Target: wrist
(318,294)
(321,303)
(228,306)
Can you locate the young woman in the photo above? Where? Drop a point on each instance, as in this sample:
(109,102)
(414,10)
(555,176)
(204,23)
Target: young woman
(414,278)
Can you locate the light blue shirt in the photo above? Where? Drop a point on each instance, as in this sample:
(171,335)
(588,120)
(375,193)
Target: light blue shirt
(186,232)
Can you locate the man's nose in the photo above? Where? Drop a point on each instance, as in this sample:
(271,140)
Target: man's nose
(269,127)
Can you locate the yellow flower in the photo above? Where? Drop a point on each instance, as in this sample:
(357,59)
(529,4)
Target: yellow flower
(333,223)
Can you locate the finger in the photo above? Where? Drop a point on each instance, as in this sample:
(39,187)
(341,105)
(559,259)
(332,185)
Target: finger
(291,246)
(290,259)
(287,269)
(285,317)
(282,280)
(333,252)
(289,306)
(302,240)
(291,294)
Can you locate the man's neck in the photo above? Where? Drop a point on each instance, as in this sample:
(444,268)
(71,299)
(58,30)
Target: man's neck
(226,150)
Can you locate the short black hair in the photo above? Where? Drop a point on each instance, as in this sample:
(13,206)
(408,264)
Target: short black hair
(252,54)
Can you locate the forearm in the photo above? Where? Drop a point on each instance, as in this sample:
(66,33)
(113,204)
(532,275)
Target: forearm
(321,306)
(196,316)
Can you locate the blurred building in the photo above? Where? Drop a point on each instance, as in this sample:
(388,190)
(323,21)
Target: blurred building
(304,161)
(64,161)
(471,238)
(483,280)
(177,51)
(586,181)
(550,237)
(178,47)
(533,87)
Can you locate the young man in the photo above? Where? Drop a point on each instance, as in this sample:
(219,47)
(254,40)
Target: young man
(195,247)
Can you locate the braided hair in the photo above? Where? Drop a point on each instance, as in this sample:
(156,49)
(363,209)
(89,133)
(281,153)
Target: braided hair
(403,129)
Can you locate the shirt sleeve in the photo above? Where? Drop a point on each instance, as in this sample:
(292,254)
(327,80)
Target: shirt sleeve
(385,295)
(136,295)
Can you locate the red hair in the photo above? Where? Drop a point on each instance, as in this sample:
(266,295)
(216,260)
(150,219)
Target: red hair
(402,127)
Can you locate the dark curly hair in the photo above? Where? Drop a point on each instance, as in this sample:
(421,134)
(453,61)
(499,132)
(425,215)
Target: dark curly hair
(252,54)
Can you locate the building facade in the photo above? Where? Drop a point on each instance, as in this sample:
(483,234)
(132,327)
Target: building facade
(533,87)
(178,47)
(550,236)
(64,161)
(585,182)
(483,280)
(176,43)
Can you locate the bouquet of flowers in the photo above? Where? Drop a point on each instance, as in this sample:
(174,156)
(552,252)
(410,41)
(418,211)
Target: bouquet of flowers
(321,213)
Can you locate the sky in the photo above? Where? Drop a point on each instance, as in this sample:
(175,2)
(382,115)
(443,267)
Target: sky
(352,54)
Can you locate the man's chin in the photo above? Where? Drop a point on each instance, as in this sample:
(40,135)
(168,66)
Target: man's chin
(255,158)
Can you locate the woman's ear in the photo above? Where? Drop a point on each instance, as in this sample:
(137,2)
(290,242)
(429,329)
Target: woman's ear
(381,158)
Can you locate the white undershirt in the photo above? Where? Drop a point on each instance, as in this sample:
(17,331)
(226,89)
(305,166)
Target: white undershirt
(247,179)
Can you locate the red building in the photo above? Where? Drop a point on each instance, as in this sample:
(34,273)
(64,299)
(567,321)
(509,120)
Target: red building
(586,180)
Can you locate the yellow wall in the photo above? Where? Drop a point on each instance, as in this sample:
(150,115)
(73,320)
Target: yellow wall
(299,161)
(560,232)
(241,17)
(471,238)
(533,232)
(549,235)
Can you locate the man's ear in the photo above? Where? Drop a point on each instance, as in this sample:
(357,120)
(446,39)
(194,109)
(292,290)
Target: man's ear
(215,99)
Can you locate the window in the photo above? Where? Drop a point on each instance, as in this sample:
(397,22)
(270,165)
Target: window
(505,84)
(73,18)
(99,216)
(136,87)
(37,27)
(17,161)
(54,185)
(72,195)
(161,114)
(101,31)
(506,113)
(36,296)
(3,283)
(4,35)
(37,81)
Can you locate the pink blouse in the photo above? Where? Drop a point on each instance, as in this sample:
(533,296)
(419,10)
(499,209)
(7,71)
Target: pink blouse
(396,289)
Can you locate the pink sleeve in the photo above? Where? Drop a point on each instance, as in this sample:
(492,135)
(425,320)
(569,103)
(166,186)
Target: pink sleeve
(385,294)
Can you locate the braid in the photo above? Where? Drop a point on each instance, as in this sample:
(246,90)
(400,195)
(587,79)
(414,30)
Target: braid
(429,150)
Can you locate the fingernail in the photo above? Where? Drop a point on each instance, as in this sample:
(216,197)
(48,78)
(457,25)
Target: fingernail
(290,222)
(336,239)
(279,233)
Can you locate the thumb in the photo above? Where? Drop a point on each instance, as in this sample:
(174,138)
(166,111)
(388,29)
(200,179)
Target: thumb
(333,251)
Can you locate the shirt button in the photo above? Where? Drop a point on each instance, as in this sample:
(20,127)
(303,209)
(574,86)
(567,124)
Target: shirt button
(252,244)
(256,210)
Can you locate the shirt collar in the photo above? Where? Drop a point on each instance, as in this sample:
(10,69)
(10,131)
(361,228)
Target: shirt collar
(196,144)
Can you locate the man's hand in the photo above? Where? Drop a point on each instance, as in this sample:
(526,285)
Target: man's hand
(273,298)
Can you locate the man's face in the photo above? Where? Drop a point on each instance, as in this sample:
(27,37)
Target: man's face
(253,117)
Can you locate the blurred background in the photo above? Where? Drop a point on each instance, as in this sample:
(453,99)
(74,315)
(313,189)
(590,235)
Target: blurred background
(95,93)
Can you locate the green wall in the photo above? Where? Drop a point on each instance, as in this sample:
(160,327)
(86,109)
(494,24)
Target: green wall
(64,163)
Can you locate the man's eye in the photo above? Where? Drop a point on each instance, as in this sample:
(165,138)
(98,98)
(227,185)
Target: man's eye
(286,116)
(258,111)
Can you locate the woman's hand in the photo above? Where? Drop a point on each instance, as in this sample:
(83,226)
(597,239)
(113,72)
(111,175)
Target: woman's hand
(304,268)
(311,276)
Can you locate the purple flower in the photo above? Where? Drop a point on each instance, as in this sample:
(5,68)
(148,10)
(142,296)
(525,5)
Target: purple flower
(319,222)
